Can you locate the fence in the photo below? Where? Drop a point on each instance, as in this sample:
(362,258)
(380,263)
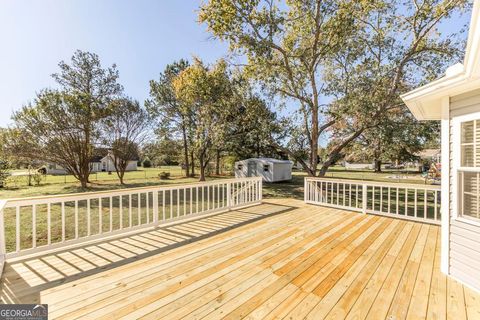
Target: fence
(42,223)
(398,200)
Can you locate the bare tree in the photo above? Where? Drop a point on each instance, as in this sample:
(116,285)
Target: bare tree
(124,130)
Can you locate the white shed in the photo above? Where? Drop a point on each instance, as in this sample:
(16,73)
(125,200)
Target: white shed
(455,100)
(271,170)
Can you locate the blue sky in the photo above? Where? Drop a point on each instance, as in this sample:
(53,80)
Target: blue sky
(140,36)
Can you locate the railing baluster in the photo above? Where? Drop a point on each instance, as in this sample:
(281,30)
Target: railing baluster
(184,201)
(164,217)
(34,226)
(100,216)
(139,209)
(120,210)
(196,199)
(191,200)
(111,213)
(76,219)
(171,203)
(49,224)
(17,228)
(425,204)
(397,203)
(63,221)
(88,218)
(415,203)
(130,211)
(178,201)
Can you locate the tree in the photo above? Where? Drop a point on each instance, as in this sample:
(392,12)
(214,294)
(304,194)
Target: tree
(206,95)
(164,151)
(396,47)
(124,130)
(4,172)
(285,45)
(361,54)
(166,108)
(63,126)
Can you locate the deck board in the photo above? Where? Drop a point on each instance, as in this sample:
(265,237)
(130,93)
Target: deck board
(281,259)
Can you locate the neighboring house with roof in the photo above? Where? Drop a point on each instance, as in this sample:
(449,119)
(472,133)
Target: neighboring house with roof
(102,161)
(455,101)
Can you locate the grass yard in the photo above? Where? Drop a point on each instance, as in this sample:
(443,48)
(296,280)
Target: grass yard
(142,178)
(149,177)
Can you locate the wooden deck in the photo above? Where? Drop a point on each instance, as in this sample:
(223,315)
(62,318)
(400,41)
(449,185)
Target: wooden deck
(282,259)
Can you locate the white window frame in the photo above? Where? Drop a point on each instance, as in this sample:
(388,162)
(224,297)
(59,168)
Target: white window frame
(456,165)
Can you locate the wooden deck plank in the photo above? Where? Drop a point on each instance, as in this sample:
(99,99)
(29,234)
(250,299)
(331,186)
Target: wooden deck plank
(281,259)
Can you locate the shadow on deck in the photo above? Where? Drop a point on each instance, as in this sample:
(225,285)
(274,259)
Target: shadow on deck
(24,278)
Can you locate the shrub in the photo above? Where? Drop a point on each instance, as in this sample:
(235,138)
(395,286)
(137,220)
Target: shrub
(147,163)
(4,171)
(37,178)
(164,175)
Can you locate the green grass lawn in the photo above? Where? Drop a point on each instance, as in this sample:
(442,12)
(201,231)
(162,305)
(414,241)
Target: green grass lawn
(146,177)
(102,181)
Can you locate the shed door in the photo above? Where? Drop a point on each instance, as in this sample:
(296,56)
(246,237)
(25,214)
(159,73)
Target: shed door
(252,169)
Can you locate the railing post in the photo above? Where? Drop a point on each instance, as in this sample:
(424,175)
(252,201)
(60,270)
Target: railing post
(155,207)
(229,195)
(364,198)
(305,189)
(260,189)
(3,248)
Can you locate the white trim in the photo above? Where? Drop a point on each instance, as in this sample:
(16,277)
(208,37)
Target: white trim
(445,201)
(456,163)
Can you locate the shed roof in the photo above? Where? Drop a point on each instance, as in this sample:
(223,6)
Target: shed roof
(425,102)
(271,160)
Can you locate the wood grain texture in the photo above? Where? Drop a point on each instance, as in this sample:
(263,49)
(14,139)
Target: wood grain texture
(279,260)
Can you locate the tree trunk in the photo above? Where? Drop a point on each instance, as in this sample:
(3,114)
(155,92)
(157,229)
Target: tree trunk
(378,165)
(335,154)
(185,150)
(217,164)
(314,144)
(202,168)
(192,163)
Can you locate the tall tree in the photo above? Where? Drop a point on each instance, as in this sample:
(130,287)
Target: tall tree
(206,95)
(285,45)
(63,126)
(300,49)
(124,130)
(396,47)
(167,109)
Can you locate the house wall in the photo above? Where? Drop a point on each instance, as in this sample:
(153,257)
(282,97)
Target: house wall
(464,237)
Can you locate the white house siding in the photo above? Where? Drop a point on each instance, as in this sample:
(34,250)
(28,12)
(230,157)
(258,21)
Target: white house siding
(464,256)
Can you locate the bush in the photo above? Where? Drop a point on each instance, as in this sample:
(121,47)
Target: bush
(4,172)
(37,178)
(164,175)
(147,163)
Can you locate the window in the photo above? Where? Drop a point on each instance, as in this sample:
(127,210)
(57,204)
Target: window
(266,168)
(240,167)
(469,170)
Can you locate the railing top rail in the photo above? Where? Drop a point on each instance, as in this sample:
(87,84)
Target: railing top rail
(375,183)
(113,193)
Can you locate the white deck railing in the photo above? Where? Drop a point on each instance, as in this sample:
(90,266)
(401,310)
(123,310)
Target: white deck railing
(406,201)
(42,223)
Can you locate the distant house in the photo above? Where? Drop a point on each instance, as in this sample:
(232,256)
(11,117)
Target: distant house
(430,154)
(98,163)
